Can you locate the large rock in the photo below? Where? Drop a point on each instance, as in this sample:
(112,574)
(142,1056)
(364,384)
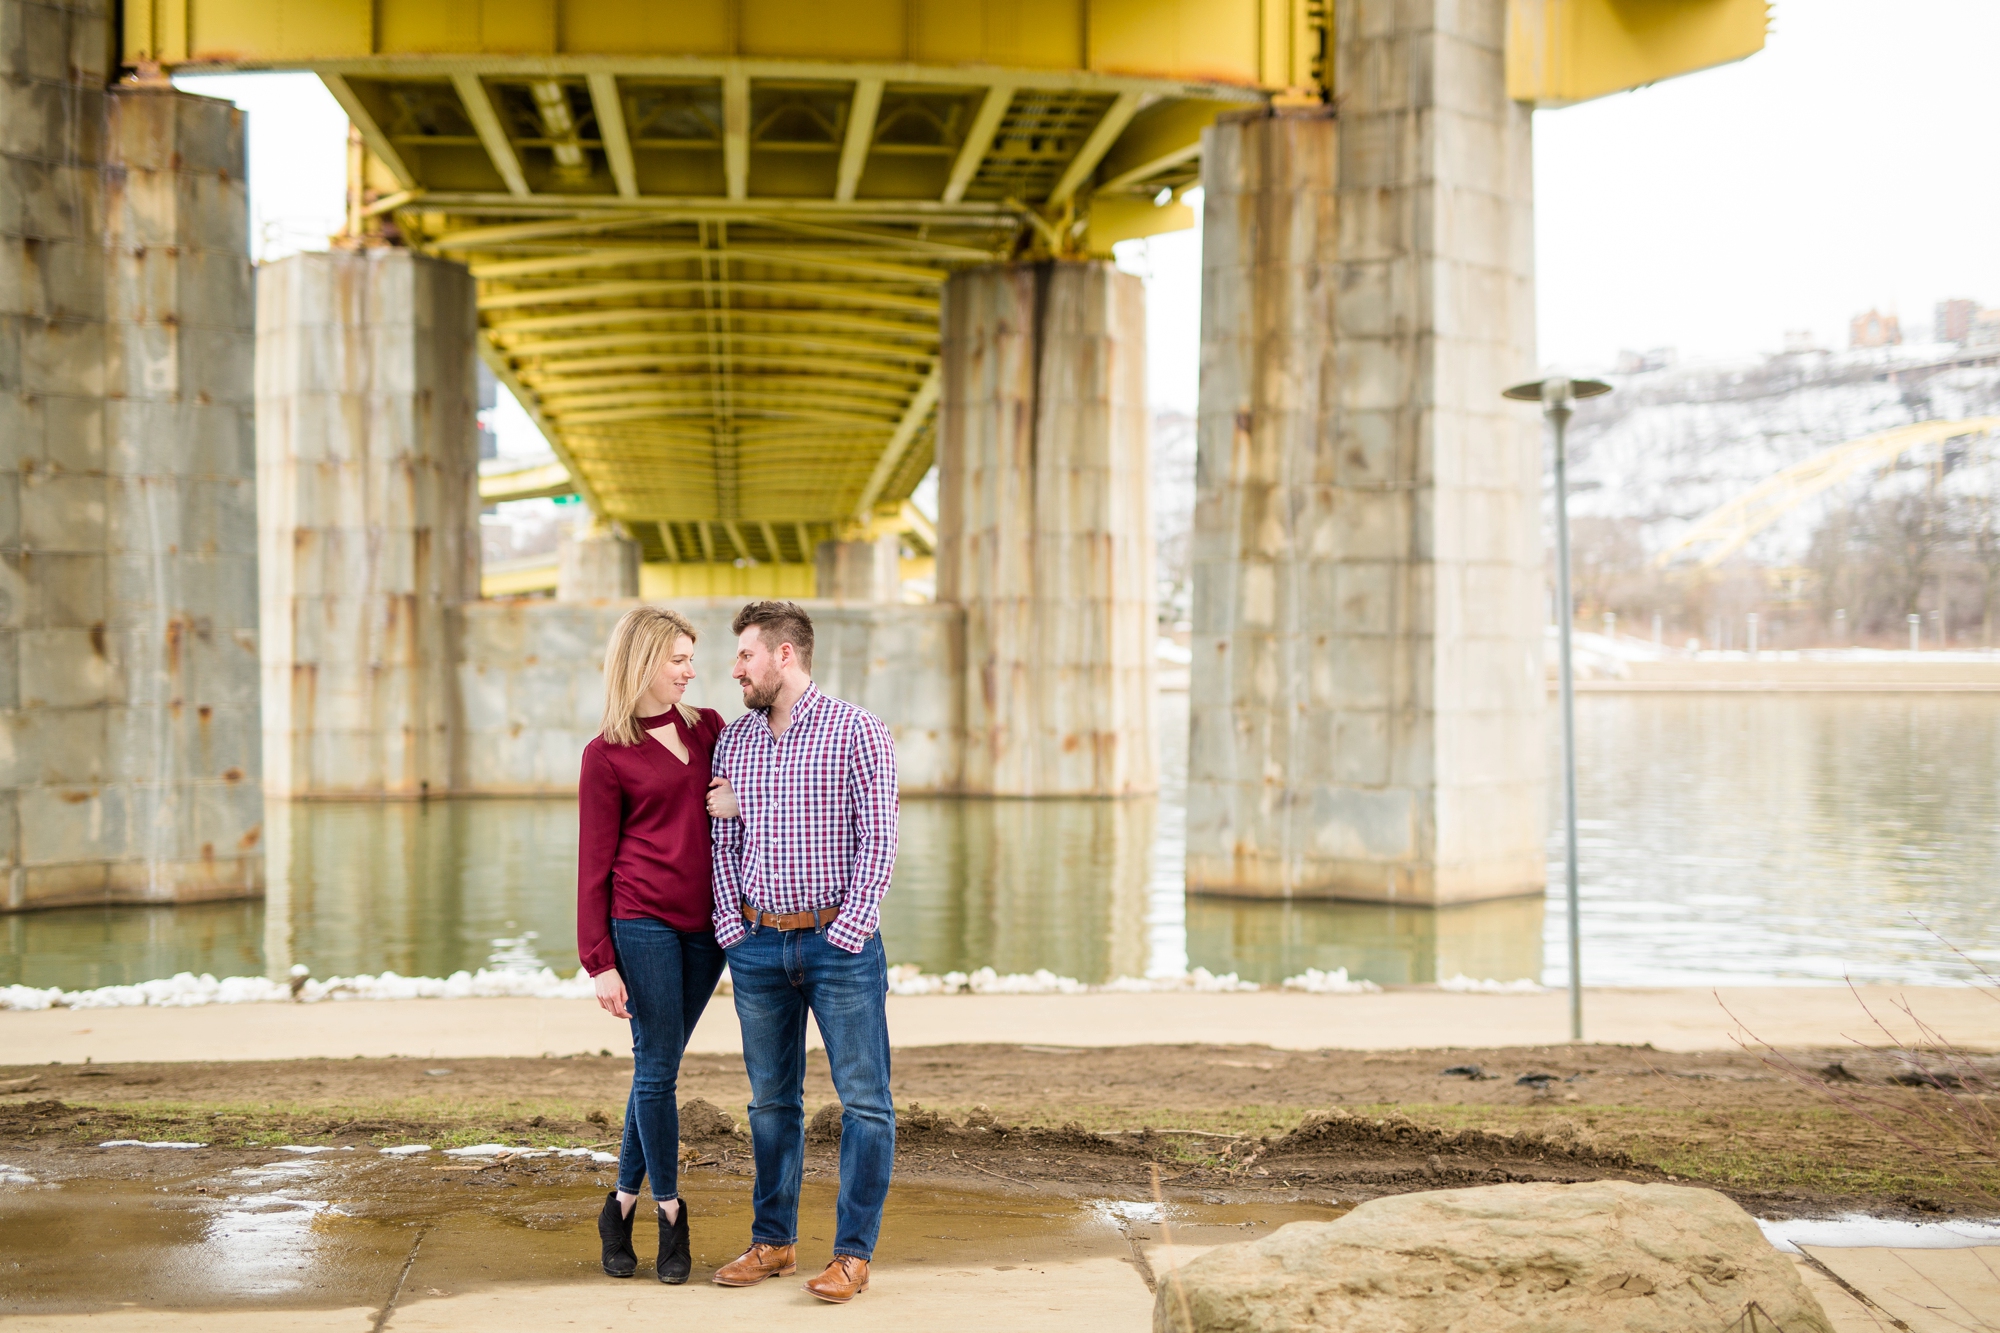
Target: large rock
(1593,1258)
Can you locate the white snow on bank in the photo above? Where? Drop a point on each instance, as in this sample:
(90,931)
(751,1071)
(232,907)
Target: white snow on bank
(1316,982)
(1464,985)
(186,989)
(143,1143)
(909,979)
(14,1175)
(406,1150)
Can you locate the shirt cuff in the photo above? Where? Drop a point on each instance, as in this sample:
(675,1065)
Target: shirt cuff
(846,937)
(729,930)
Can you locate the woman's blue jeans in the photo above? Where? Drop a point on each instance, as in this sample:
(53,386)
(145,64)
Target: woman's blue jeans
(669,976)
(778,975)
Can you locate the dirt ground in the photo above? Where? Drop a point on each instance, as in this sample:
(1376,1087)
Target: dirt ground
(1218,1122)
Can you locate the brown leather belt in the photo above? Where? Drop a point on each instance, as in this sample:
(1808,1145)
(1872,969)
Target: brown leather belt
(825,916)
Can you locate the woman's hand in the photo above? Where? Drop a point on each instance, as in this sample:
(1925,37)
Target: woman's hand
(722,799)
(611,993)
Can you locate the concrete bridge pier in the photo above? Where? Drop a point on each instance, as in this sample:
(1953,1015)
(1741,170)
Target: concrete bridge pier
(1367,682)
(596,563)
(859,571)
(368,513)
(1044,531)
(128,626)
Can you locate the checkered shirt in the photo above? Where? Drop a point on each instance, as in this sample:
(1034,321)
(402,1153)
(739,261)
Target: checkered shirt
(818,827)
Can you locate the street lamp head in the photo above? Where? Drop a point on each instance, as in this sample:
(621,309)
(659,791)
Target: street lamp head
(1556,390)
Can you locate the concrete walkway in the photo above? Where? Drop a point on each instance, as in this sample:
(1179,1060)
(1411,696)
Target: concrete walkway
(1678,1020)
(1102,1293)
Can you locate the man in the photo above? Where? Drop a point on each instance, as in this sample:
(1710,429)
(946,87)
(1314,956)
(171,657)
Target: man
(799,879)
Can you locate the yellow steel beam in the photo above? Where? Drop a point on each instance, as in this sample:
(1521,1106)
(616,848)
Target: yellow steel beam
(558,390)
(827,319)
(736,133)
(378,143)
(1106,133)
(1560,52)
(613,258)
(604,291)
(861,115)
(1163,136)
(543,371)
(978,141)
(610,109)
(539,351)
(529,483)
(492,135)
(912,422)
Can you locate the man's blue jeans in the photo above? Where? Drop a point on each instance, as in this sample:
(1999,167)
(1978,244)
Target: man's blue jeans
(669,976)
(778,976)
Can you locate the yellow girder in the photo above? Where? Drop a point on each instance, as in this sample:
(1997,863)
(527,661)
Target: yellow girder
(784,185)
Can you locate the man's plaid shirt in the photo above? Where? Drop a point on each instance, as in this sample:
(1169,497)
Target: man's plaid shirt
(818,827)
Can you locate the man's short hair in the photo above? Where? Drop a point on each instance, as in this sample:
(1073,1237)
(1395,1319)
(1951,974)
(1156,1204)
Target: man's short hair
(779,622)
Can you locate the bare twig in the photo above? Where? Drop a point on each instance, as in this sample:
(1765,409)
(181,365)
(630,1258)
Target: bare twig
(1924,1124)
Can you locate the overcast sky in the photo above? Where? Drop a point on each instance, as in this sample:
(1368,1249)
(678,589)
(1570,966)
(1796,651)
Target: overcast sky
(1848,165)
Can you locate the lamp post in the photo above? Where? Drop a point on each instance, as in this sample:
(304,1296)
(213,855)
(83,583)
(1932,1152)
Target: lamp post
(1557,395)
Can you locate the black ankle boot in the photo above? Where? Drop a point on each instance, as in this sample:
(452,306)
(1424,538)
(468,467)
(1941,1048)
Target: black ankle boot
(674,1263)
(614,1229)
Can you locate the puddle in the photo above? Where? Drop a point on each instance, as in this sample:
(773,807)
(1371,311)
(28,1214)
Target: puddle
(335,1230)
(1856,1230)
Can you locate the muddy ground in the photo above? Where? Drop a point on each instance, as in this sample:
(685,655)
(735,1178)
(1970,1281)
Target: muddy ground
(1802,1132)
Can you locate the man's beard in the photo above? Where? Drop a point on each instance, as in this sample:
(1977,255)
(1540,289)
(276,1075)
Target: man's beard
(760,694)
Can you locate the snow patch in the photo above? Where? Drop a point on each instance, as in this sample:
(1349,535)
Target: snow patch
(143,1143)
(185,989)
(1470,985)
(1315,982)
(909,979)
(406,1150)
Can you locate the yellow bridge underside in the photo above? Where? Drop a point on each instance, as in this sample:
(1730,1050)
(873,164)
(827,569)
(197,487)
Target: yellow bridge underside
(710,237)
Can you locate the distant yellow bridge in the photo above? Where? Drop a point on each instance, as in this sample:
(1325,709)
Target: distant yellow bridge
(1725,529)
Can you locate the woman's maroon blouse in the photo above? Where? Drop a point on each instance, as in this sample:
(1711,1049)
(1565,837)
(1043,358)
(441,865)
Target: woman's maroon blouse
(642,838)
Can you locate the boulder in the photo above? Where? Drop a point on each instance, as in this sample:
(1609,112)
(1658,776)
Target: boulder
(1607,1256)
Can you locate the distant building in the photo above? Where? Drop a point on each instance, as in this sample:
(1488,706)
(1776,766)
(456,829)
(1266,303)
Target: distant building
(1638,363)
(1800,340)
(1954,319)
(1985,330)
(1875,329)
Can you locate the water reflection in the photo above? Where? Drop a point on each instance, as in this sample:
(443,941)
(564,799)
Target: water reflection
(1266,942)
(1725,839)
(1783,838)
(1021,885)
(420,888)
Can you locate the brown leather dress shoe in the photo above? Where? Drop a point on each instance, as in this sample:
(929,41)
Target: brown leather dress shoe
(844,1279)
(757,1263)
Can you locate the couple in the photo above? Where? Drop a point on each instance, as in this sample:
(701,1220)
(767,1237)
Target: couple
(766,845)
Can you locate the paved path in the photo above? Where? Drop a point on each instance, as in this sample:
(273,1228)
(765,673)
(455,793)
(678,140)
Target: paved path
(1677,1019)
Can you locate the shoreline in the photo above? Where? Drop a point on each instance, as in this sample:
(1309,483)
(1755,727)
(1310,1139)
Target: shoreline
(1669,1019)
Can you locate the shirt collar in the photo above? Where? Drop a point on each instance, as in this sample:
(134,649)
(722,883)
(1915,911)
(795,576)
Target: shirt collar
(801,709)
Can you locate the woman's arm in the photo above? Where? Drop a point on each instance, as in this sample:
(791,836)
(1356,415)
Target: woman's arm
(600,810)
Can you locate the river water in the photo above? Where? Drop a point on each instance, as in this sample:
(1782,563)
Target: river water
(1724,840)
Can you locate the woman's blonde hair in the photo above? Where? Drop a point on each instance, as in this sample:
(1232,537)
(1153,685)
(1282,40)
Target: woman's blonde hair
(642,639)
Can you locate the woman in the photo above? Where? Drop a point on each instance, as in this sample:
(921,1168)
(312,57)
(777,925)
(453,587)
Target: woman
(643,898)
